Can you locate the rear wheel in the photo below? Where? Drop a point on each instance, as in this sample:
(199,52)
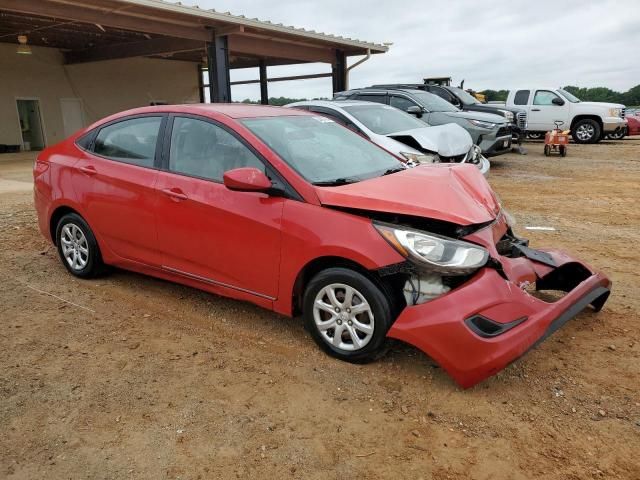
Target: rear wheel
(563,151)
(586,131)
(547,150)
(617,135)
(347,315)
(77,247)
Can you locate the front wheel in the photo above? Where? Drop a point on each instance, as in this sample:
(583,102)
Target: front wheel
(535,135)
(586,131)
(77,247)
(347,315)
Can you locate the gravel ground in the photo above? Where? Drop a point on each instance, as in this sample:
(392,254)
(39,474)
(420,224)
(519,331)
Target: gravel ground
(132,377)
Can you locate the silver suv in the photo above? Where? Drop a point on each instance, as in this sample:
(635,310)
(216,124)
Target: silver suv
(490,132)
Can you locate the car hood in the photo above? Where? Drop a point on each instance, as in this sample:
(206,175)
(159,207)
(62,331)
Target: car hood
(446,140)
(452,193)
(485,117)
(601,104)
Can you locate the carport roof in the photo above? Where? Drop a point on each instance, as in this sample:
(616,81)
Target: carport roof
(93,30)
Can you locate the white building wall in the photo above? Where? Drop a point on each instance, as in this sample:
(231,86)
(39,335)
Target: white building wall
(105,87)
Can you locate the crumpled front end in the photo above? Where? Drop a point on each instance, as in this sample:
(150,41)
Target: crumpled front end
(521,297)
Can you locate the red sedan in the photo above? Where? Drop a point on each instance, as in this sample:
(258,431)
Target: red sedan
(298,214)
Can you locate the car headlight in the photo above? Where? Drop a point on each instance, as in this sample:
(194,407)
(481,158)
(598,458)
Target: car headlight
(615,112)
(481,124)
(434,252)
(420,158)
(508,115)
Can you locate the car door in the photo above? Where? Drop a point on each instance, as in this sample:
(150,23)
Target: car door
(114,181)
(544,112)
(206,231)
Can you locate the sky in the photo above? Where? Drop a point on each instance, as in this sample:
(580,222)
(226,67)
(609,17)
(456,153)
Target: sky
(496,44)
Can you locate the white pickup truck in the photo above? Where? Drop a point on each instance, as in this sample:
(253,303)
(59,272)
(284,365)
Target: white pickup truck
(589,122)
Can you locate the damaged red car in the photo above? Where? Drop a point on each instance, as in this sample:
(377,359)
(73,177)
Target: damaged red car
(298,214)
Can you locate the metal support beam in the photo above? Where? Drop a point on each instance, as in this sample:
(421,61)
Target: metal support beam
(200,84)
(284,79)
(340,72)
(264,89)
(218,59)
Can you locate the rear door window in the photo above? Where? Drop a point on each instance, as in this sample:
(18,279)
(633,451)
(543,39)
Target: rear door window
(521,97)
(131,141)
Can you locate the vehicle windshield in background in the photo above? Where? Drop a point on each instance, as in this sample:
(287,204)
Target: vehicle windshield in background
(434,103)
(466,97)
(322,151)
(570,97)
(383,120)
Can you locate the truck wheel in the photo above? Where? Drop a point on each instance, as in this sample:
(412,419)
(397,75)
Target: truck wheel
(617,135)
(586,131)
(535,135)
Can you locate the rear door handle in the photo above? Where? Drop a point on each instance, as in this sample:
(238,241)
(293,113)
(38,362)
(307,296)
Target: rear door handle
(535,109)
(89,170)
(175,193)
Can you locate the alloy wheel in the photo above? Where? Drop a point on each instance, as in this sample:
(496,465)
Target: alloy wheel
(585,132)
(343,317)
(75,247)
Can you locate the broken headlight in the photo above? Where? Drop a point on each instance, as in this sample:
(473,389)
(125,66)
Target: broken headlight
(434,252)
(420,158)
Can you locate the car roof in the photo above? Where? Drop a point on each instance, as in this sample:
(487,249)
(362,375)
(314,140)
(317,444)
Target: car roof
(332,103)
(232,110)
(390,89)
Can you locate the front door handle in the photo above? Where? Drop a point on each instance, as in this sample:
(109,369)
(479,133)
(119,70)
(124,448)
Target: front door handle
(175,193)
(535,109)
(89,170)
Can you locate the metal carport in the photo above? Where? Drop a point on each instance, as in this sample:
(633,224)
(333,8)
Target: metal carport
(98,30)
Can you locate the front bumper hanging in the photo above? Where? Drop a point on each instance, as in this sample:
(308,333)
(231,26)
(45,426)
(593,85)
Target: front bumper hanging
(479,328)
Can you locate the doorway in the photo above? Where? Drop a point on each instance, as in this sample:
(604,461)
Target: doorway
(30,124)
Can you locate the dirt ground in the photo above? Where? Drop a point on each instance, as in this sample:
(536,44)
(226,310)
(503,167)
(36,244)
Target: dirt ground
(146,379)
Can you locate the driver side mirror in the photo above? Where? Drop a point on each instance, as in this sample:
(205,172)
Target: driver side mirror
(246,179)
(557,101)
(415,110)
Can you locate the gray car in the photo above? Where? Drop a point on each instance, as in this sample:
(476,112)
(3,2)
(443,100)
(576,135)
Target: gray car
(490,132)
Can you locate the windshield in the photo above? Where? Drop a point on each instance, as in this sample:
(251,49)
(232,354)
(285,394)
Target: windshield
(466,97)
(434,103)
(322,151)
(568,96)
(384,120)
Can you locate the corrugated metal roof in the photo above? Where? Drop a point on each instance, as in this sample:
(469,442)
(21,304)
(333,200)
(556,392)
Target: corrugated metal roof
(242,20)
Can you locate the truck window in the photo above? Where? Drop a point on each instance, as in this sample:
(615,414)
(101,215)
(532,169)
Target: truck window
(544,97)
(521,98)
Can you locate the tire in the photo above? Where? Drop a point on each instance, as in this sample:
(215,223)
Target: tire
(619,135)
(74,236)
(563,151)
(586,131)
(370,325)
(535,135)
(547,150)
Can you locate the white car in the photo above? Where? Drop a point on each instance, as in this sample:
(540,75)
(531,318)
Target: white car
(589,122)
(401,133)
